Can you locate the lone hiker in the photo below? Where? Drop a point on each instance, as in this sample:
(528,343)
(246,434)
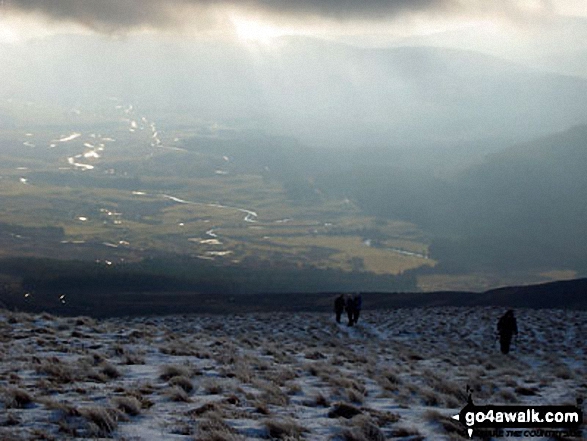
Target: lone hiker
(353,308)
(339,307)
(507,327)
(357,305)
(350,309)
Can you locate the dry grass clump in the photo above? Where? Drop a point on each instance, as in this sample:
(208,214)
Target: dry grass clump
(84,321)
(507,396)
(344,410)
(315,355)
(43,330)
(212,387)
(173,370)
(271,394)
(56,370)
(132,358)
(9,419)
(294,389)
(285,428)
(347,384)
(16,398)
(317,400)
(214,428)
(109,370)
(177,394)
(481,386)
(363,430)
(64,408)
(102,422)
(241,370)
(526,391)
(430,397)
(183,382)
(392,377)
(66,373)
(322,370)
(178,349)
(203,409)
(446,387)
(261,408)
(382,418)
(129,405)
(281,376)
(450,426)
(143,389)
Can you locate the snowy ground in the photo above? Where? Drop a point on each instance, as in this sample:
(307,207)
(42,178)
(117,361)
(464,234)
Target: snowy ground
(397,375)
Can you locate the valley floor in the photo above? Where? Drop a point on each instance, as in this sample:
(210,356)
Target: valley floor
(398,374)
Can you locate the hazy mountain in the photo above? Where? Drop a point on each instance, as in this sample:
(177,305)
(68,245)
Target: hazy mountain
(524,206)
(555,44)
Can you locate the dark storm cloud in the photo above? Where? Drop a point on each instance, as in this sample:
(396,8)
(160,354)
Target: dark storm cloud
(112,14)
(119,15)
(343,9)
(123,14)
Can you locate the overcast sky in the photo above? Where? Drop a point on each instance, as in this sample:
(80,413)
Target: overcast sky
(264,19)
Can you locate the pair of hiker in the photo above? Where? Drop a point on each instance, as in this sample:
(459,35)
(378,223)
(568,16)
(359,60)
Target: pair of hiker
(352,305)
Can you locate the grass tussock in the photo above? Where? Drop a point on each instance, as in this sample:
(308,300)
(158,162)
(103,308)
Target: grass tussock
(213,387)
(448,425)
(110,371)
(129,405)
(318,400)
(177,394)
(9,419)
(101,421)
(344,410)
(17,398)
(214,428)
(363,429)
(284,429)
(173,370)
(183,382)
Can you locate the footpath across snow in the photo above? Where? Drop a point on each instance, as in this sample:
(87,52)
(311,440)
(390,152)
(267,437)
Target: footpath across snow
(398,374)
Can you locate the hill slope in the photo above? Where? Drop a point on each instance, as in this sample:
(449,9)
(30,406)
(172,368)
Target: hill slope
(397,375)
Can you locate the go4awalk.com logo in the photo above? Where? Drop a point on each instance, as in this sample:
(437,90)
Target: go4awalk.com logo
(521,421)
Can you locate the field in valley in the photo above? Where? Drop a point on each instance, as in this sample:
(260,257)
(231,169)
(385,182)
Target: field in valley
(126,189)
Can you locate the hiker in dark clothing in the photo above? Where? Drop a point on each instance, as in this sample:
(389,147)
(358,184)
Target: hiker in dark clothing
(507,327)
(350,310)
(357,305)
(339,307)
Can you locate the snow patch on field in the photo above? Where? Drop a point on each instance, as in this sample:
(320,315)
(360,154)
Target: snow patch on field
(398,374)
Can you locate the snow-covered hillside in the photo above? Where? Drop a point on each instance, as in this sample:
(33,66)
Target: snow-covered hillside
(398,374)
